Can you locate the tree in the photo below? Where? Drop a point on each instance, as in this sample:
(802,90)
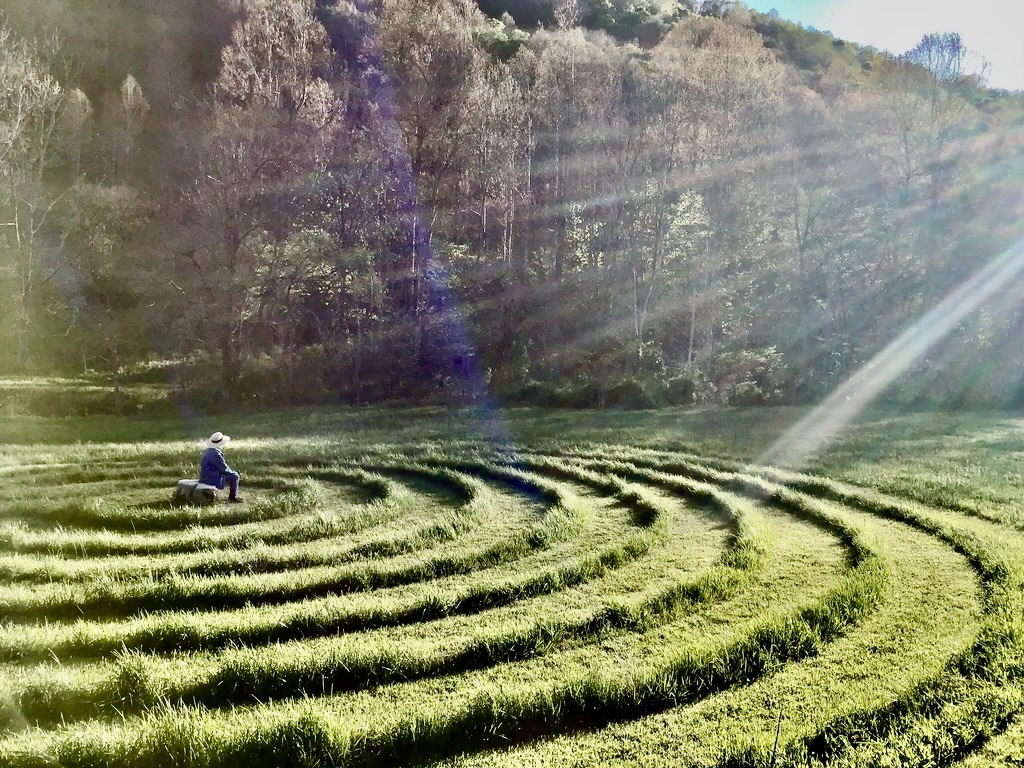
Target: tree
(108,295)
(259,140)
(123,118)
(422,73)
(731,91)
(568,13)
(915,123)
(828,186)
(31,103)
(494,182)
(75,125)
(432,69)
(688,252)
(920,106)
(573,82)
(943,56)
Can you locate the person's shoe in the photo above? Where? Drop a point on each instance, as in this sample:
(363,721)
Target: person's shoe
(235,500)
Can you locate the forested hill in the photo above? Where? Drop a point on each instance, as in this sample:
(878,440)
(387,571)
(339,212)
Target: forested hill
(588,202)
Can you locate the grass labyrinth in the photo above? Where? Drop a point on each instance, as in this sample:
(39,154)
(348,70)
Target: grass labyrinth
(560,604)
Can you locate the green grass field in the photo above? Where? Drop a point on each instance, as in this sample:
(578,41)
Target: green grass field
(464,588)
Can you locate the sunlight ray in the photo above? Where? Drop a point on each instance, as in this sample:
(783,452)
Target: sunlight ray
(811,434)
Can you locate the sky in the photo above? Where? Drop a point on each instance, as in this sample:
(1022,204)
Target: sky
(992,28)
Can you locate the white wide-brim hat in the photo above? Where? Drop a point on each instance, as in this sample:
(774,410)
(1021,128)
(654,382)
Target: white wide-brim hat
(218,440)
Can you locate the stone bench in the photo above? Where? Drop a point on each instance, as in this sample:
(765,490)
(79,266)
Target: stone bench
(194,492)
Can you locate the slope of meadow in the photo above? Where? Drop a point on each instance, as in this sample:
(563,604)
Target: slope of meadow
(520,588)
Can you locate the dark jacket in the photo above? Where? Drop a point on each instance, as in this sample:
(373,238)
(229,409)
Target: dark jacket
(213,469)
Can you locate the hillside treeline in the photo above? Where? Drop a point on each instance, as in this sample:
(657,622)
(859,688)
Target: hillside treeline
(586,203)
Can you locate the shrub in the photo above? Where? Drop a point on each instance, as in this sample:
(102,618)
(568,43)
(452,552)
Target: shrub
(539,393)
(260,379)
(630,395)
(309,375)
(681,390)
(746,376)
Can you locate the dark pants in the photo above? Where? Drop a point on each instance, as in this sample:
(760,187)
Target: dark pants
(232,483)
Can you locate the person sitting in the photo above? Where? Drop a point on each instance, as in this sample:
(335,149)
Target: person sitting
(214,469)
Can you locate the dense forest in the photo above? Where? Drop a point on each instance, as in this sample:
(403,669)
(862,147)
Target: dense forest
(591,203)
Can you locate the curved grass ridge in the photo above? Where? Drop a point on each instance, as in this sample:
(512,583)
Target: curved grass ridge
(249,553)
(185,631)
(103,516)
(300,500)
(799,634)
(277,673)
(942,718)
(248,626)
(948,716)
(176,592)
(204,709)
(201,738)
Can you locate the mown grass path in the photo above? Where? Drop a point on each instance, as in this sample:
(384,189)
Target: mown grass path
(929,612)
(591,604)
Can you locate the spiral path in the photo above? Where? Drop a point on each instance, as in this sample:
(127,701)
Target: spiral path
(605,605)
